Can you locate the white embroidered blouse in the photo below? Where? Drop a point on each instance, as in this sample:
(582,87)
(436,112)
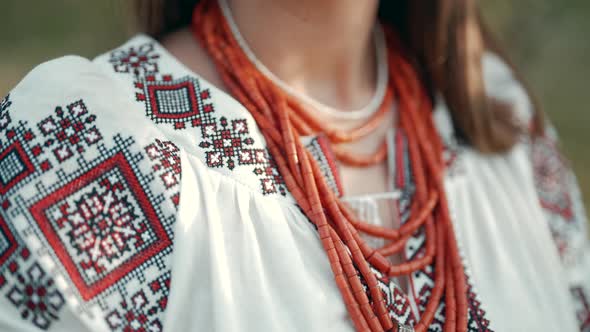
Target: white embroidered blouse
(135,196)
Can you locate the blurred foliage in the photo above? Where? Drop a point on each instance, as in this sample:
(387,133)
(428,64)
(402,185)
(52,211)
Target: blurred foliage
(547,39)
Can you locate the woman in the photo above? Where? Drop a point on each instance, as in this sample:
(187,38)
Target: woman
(287,165)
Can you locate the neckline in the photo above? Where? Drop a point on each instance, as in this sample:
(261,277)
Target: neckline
(356,114)
(442,118)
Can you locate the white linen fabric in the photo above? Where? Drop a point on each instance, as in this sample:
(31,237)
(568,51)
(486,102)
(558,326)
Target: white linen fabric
(136,196)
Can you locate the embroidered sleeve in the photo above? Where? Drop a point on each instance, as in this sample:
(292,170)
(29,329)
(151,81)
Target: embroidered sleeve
(87,205)
(562,203)
(28,292)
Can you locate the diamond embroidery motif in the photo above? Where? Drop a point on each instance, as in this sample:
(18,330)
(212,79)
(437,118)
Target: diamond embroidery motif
(183,103)
(15,165)
(179,102)
(101,226)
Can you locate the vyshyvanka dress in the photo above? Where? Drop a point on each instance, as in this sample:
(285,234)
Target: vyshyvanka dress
(136,196)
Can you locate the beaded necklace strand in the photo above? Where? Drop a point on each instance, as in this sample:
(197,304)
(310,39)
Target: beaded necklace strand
(283,121)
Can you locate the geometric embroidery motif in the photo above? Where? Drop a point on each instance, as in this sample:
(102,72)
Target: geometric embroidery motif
(8,243)
(229,143)
(15,165)
(477,320)
(174,101)
(101,225)
(4,116)
(183,104)
(397,303)
(422,281)
(166,158)
(319,147)
(18,159)
(24,283)
(271,181)
(107,227)
(28,287)
(138,314)
(36,296)
(137,61)
(101,219)
(69,132)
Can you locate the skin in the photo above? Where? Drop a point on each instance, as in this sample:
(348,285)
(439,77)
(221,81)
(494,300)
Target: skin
(314,46)
(323,49)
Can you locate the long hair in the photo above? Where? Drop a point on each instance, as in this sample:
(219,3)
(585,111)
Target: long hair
(447,39)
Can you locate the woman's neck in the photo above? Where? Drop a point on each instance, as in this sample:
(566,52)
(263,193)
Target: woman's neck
(321,48)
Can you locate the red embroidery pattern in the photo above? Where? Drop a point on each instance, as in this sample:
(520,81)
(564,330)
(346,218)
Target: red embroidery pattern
(101,225)
(422,281)
(139,313)
(103,219)
(166,165)
(141,60)
(184,104)
(477,320)
(228,144)
(225,144)
(271,182)
(106,229)
(20,158)
(179,102)
(15,165)
(69,132)
(8,245)
(397,302)
(36,296)
(28,287)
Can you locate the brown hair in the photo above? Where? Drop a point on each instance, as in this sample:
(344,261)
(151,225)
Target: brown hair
(447,39)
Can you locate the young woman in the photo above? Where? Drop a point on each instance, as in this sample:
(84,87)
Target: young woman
(259,165)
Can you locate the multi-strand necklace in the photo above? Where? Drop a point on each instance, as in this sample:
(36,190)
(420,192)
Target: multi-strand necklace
(283,120)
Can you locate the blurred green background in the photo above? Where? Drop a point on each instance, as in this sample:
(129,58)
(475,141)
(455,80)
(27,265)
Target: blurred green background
(547,39)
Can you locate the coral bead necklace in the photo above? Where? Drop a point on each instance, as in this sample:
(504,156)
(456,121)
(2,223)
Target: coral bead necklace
(283,121)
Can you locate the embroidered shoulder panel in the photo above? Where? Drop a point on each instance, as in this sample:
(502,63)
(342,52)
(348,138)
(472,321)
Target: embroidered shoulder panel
(86,219)
(213,125)
(23,282)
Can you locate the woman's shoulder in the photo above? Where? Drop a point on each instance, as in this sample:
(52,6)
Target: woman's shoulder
(139,83)
(501,83)
(68,79)
(138,58)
